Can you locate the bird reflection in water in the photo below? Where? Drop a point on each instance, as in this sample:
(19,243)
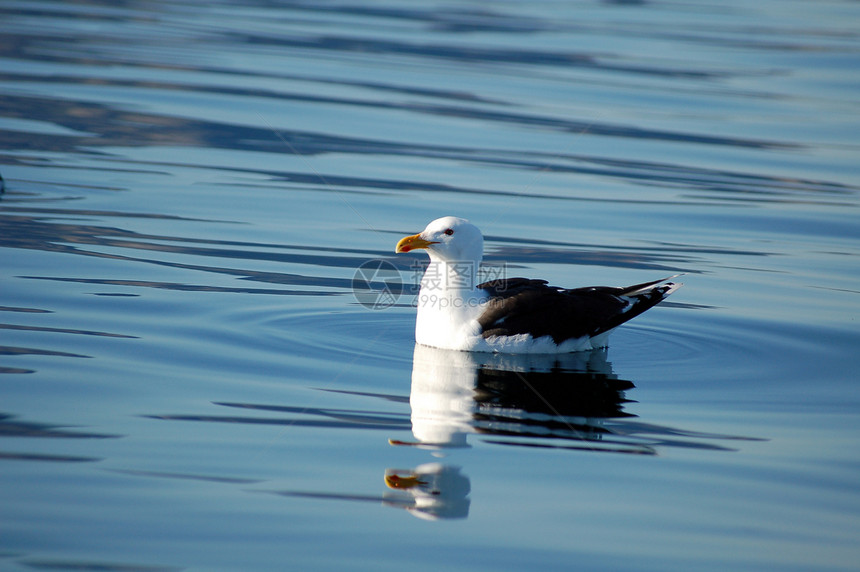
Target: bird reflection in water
(528,400)
(431,491)
(531,400)
(564,402)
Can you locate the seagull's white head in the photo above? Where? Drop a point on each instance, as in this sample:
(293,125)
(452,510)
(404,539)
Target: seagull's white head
(449,239)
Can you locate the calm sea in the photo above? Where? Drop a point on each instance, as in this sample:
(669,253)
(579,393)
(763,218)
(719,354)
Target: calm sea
(206,340)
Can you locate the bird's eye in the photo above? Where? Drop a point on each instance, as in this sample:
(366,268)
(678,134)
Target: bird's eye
(449,231)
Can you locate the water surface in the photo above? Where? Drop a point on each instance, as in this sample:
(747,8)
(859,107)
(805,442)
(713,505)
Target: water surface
(189,380)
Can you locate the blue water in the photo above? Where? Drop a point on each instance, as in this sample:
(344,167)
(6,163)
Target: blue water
(191,381)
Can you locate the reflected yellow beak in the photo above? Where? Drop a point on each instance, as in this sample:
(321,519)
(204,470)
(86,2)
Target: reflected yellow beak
(403,481)
(408,243)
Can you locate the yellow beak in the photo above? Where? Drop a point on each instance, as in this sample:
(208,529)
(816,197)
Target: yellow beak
(395,481)
(408,243)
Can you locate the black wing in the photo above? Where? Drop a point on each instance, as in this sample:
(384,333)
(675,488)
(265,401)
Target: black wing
(524,306)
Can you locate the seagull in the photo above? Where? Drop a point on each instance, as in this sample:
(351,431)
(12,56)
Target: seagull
(511,315)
